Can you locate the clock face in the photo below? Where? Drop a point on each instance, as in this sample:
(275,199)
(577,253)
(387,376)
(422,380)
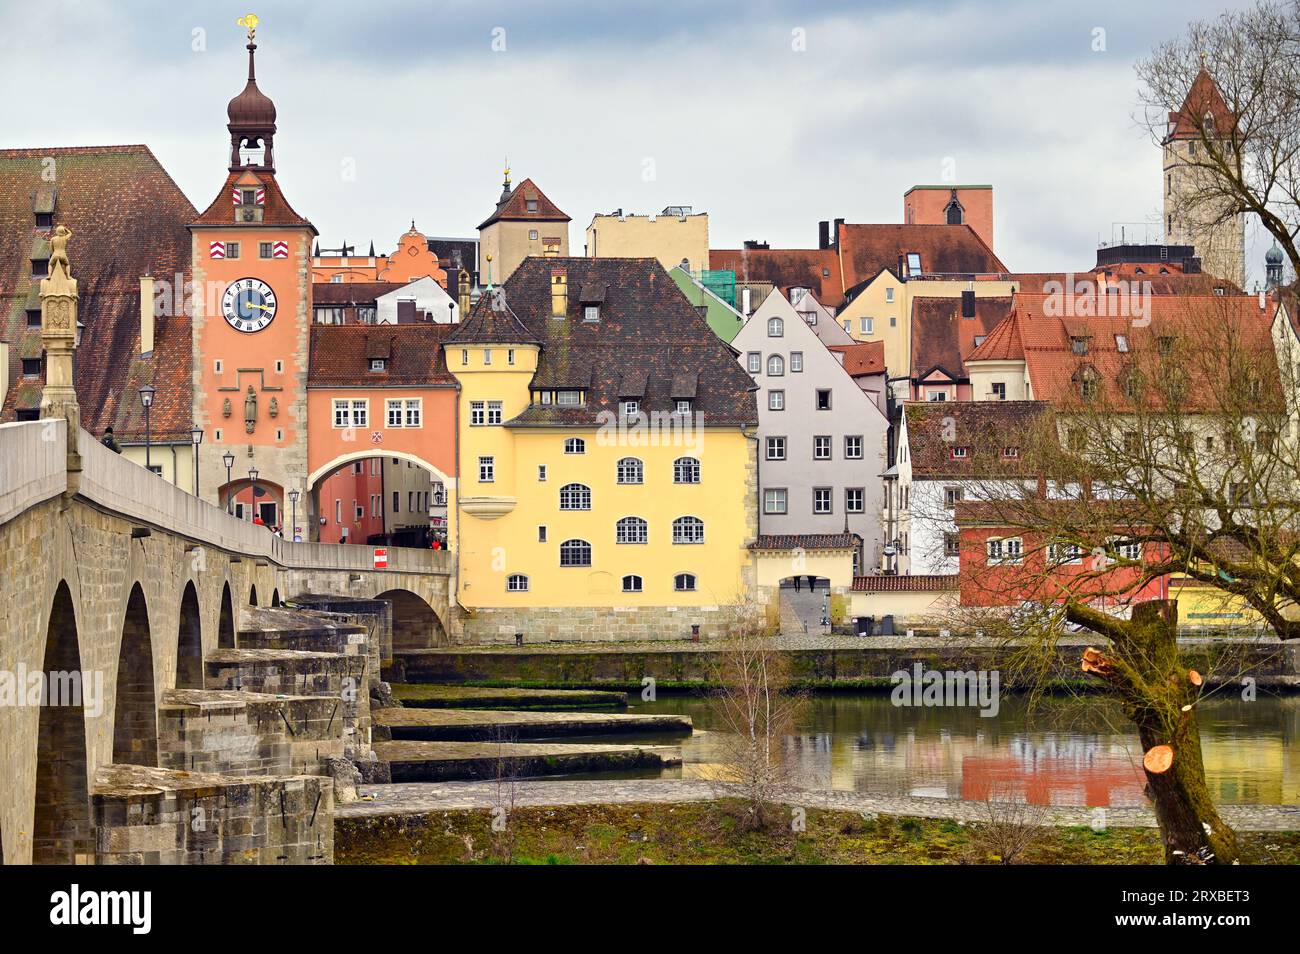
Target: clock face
(248,304)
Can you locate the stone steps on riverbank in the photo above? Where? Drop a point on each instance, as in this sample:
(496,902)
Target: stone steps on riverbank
(498,725)
(512,761)
(441,696)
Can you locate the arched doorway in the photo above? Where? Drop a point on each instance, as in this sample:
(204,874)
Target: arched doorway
(62,832)
(135,720)
(252,595)
(264,503)
(189,642)
(226,622)
(395,500)
(415,624)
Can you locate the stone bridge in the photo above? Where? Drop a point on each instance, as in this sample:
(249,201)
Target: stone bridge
(109,571)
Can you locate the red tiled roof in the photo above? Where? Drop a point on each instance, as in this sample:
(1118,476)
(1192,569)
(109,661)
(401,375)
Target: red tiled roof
(128,219)
(786,268)
(1198,320)
(866,250)
(340,355)
(514,207)
(1204,98)
(892,583)
(351,293)
(806,541)
(1174,282)
(983,428)
(1001,344)
(276,211)
(942,337)
(862,358)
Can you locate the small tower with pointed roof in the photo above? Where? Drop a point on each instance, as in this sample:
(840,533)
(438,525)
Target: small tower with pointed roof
(1220,239)
(525,222)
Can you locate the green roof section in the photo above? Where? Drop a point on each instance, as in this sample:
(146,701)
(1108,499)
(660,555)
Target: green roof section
(725,321)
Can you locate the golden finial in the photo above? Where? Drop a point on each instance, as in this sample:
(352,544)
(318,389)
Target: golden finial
(507,172)
(250,21)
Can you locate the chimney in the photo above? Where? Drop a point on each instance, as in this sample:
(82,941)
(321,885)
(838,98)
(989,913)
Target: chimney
(146,314)
(559,293)
(406,311)
(823,234)
(835,238)
(464,294)
(967,304)
(1263,300)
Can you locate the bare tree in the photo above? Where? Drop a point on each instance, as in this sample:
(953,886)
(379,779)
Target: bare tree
(1008,827)
(756,710)
(1247,155)
(1177,456)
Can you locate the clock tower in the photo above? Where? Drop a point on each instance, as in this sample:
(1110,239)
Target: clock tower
(250,256)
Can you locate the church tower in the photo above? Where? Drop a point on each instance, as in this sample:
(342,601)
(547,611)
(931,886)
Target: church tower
(1220,241)
(251,262)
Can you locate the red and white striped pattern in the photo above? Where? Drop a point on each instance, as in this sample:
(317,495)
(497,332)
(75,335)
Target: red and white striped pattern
(280,250)
(237,196)
(261,197)
(217,250)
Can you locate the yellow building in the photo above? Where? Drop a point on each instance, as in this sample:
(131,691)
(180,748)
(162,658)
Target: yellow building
(607,473)
(674,235)
(525,222)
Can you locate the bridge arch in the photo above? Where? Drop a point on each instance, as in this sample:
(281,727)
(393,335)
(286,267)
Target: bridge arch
(189,642)
(252,595)
(226,621)
(135,715)
(377,451)
(62,831)
(275,597)
(415,623)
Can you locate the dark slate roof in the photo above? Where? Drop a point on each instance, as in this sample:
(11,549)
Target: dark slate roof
(786,268)
(514,207)
(647,336)
(984,428)
(892,583)
(340,355)
(128,219)
(276,212)
(806,541)
(351,293)
(943,338)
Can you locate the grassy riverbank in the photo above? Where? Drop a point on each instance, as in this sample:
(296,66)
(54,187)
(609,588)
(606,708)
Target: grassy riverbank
(712,833)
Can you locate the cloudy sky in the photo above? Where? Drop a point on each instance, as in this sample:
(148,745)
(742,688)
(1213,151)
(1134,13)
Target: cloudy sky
(768,115)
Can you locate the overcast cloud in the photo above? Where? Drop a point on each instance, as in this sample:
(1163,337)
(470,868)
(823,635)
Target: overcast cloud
(626,103)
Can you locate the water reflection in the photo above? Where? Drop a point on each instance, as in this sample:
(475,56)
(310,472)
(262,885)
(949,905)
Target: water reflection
(1069,751)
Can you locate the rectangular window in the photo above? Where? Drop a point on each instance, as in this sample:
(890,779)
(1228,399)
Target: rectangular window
(414,412)
(755,362)
(568,398)
(232,250)
(541,534)
(393,413)
(855,499)
(359,512)
(265,250)
(823,399)
(397,502)
(487,356)
(683,407)
(776,400)
(338,510)
(494,412)
(951,545)
(774,500)
(822,500)
(867,326)
(477,413)
(591,313)
(853,446)
(486,470)
(464,356)
(541,471)
(510,356)
(360,413)
(776,448)
(889,296)
(822,447)
(999,391)
(951,496)
(631,408)
(796,362)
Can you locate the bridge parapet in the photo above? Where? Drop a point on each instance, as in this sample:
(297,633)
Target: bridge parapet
(33,466)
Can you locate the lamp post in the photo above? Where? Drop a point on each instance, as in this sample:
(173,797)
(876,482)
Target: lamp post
(146,401)
(229,460)
(293,527)
(196,438)
(252,476)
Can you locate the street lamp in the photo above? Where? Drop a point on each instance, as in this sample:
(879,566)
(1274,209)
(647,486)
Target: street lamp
(252,476)
(196,438)
(146,401)
(229,460)
(293,527)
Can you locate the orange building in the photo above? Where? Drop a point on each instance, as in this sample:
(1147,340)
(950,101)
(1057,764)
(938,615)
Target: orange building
(413,259)
(951,205)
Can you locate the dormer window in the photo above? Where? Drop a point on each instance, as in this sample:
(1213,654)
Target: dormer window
(531,205)
(914,263)
(1079,344)
(683,406)
(378,364)
(960,453)
(591,313)
(44,220)
(40,267)
(33,318)
(631,408)
(31,367)
(568,398)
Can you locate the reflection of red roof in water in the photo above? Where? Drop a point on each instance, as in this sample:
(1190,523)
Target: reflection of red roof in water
(1110,781)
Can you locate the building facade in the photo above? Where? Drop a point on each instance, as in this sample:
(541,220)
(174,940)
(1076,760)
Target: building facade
(675,236)
(525,222)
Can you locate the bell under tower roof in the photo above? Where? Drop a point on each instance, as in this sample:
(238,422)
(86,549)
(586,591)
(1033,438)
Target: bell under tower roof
(251,116)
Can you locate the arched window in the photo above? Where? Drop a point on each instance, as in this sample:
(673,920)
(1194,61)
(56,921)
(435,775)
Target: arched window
(684,582)
(631,583)
(575,497)
(953,214)
(775,328)
(776,365)
(688,530)
(686,470)
(630,471)
(631,530)
(575,553)
(517,583)
(575,445)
